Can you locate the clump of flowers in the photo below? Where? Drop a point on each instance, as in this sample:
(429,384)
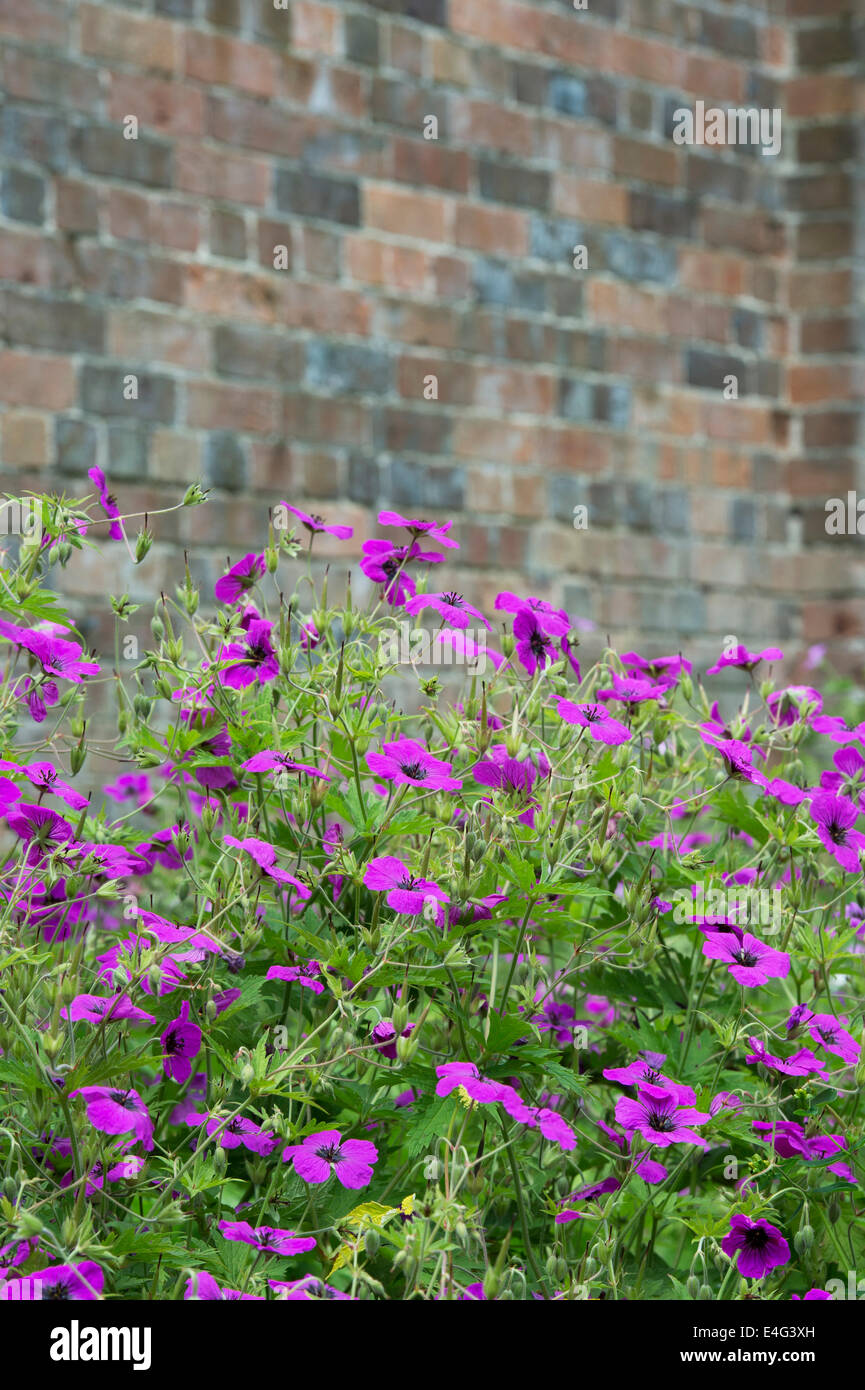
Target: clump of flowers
(311,994)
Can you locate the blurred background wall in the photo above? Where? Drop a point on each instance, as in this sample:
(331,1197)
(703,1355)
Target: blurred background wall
(289,249)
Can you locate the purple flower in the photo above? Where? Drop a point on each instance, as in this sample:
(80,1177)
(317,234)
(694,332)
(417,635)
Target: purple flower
(202,1286)
(107,503)
(181,1043)
(465,1074)
(270,759)
(116,1111)
(740,656)
(835,818)
(632,690)
(238,1131)
(601,725)
(45,778)
(79,1283)
(813,1295)
(785,706)
(749,961)
(659,668)
(406,761)
(434,531)
(829,1032)
(316,524)
(94,1008)
(405,893)
(801,1063)
(253,659)
(269,1238)
(760,1246)
(264,856)
(452,607)
(849,780)
(327,1152)
(240,578)
(42,829)
(590,1193)
(305,974)
(535,647)
(647,1072)
(659,1117)
(309,1289)
(555,621)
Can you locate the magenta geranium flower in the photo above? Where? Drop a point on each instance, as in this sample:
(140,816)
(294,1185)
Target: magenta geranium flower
(46,779)
(801,1063)
(181,1043)
(646,1070)
(95,1009)
(535,646)
(107,503)
(658,1116)
(759,1245)
(601,725)
(78,1283)
(848,781)
(434,531)
(555,621)
(269,1238)
(785,706)
(316,524)
(407,761)
(749,961)
(271,760)
(116,1111)
(659,668)
(451,606)
(835,818)
(740,656)
(465,1074)
(264,856)
(829,1032)
(202,1287)
(405,893)
(322,1154)
(43,830)
(240,578)
(306,974)
(309,1289)
(238,1131)
(633,690)
(252,659)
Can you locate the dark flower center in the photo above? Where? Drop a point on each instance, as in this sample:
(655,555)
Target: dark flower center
(455,600)
(661,1121)
(593,714)
(827,1034)
(747,958)
(651,1075)
(415,770)
(539,642)
(258,652)
(329,1152)
(837,833)
(123,1098)
(58,1290)
(757,1239)
(409,883)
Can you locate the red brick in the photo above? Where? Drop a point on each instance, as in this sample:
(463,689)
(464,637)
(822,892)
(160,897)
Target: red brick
(498,231)
(222,61)
(116,34)
(420,216)
(43,380)
(218,405)
(382,263)
(209,173)
(169,107)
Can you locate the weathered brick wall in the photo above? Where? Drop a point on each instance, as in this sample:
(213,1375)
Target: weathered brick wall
(407,257)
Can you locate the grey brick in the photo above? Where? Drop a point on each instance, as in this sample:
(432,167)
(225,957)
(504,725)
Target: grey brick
(660,212)
(241,351)
(708,369)
(564,492)
(103,150)
(364,482)
(576,399)
(315,195)
(22,196)
(568,94)
(361,39)
(39,136)
(637,260)
(344,368)
(175,9)
(426,11)
(61,325)
(638,506)
(424,486)
(554,239)
(225,461)
(674,511)
(102,394)
(227,234)
(613,403)
(77,444)
(743,519)
(505,182)
(127,451)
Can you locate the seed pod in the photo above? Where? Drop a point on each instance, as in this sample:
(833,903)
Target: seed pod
(371,1242)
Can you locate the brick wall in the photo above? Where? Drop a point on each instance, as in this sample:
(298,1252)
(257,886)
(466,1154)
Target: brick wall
(405,257)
